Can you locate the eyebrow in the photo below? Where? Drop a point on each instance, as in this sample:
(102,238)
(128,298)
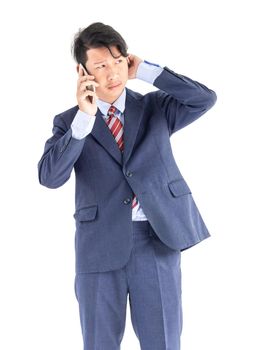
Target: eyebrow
(116,58)
(100,62)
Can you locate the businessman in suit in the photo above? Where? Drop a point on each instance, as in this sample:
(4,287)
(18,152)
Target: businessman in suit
(134,211)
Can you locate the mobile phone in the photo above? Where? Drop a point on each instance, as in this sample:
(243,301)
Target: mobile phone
(89,87)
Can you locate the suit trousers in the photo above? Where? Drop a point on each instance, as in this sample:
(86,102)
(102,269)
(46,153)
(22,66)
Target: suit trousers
(152,281)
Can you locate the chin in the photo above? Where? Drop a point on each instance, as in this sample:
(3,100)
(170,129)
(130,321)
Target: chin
(111,95)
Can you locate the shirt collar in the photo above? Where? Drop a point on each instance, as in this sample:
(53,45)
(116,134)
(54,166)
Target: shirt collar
(119,104)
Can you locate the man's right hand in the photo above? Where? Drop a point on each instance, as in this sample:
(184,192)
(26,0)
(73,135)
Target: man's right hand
(83,95)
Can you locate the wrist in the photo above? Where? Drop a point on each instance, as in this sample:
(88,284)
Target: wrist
(148,71)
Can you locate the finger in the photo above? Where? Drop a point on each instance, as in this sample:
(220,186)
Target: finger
(130,60)
(94,99)
(87,93)
(84,85)
(87,77)
(84,78)
(89,96)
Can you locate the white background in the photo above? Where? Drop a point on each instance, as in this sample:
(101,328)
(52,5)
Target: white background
(208,41)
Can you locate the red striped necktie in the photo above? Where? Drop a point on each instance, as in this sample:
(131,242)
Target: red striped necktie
(116,128)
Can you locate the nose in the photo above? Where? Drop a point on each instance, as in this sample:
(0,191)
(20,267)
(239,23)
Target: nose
(112,73)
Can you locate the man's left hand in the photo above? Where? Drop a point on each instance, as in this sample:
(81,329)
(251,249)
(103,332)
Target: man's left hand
(133,64)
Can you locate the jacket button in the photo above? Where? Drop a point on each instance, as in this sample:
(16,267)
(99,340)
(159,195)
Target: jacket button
(127,201)
(129,174)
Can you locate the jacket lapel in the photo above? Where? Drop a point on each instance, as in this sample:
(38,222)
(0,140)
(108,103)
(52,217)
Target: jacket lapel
(132,119)
(103,135)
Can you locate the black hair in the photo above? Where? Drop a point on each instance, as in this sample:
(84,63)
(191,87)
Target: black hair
(94,36)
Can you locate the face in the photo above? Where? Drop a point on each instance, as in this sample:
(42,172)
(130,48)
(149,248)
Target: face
(111,73)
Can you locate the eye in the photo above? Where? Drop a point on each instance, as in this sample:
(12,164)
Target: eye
(119,61)
(100,67)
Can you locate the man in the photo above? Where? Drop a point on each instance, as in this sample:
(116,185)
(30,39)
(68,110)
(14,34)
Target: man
(134,211)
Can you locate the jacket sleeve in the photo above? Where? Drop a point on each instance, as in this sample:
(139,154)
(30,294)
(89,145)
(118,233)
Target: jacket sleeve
(181,99)
(60,154)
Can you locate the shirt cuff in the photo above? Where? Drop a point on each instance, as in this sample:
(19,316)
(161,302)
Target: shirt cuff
(82,125)
(148,71)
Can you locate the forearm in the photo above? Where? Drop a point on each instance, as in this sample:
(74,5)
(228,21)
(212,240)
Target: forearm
(185,90)
(181,99)
(60,154)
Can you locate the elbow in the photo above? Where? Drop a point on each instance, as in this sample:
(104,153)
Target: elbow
(51,181)
(212,98)
(49,184)
(48,179)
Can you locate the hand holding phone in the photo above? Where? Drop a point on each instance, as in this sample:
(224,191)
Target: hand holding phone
(86,91)
(89,87)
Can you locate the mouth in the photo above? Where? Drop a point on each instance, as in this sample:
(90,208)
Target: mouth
(114,86)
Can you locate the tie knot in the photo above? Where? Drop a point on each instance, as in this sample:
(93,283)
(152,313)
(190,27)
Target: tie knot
(111,111)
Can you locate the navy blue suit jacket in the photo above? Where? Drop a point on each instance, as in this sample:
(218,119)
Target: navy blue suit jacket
(106,179)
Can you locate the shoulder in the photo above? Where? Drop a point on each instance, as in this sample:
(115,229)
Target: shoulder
(67,116)
(150,97)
